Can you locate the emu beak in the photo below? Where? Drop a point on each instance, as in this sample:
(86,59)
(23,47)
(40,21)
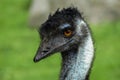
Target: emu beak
(44,51)
(49,47)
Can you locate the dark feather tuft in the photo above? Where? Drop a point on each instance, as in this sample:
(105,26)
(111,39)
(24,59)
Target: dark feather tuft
(66,15)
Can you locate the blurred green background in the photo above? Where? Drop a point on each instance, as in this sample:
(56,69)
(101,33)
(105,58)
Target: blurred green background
(18,45)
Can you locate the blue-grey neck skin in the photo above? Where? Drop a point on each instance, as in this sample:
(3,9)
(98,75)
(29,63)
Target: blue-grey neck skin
(77,62)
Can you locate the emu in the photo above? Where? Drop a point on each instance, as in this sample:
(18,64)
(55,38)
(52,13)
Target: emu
(67,32)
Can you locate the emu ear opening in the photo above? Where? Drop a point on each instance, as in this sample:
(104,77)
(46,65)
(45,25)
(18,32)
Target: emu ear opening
(80,24)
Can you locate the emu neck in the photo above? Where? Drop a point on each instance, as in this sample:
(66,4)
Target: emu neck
(76,63)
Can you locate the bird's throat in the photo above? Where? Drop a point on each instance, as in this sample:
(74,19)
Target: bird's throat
(76,63)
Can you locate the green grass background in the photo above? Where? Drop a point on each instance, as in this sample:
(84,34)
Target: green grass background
(18,45)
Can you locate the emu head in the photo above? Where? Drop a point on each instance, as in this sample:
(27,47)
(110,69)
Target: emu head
(64,30)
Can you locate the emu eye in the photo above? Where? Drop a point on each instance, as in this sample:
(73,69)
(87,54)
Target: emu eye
(68,33)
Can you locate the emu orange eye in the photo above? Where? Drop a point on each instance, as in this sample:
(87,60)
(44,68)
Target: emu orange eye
(67,33)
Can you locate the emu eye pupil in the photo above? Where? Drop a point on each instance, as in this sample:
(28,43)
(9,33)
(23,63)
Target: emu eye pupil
(68,33)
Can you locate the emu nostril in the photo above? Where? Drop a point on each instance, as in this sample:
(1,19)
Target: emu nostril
(48,48)
(45,51)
